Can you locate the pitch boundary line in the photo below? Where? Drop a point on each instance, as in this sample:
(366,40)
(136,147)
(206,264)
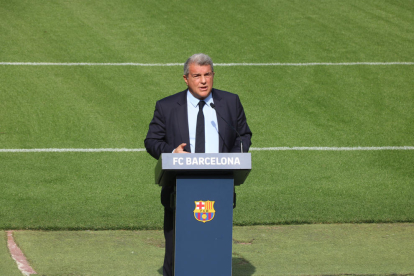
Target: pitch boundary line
(251,149)
(18,256)
(332,148)
(73,150)
(215,64)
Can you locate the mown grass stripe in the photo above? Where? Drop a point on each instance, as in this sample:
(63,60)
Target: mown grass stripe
(251,149)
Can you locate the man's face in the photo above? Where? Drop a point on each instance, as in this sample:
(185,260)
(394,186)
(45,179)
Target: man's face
(199,80)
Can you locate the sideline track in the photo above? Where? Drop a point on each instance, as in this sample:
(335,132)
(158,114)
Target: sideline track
(18,256)
(251,149)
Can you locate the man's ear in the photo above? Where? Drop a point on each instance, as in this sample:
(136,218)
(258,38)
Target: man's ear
(185,79)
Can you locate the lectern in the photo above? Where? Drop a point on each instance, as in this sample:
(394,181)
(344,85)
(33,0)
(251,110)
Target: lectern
(204,200)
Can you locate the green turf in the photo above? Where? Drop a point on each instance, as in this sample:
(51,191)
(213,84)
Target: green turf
(7,264)
(93,253)
(111,106)
(347,249)
(117,190)
(231,31)
(79,107)
(87,191)
(107,107)
(315,187)
(350,249)
(286,106)
(325,106)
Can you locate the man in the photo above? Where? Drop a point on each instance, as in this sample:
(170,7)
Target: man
(186,122)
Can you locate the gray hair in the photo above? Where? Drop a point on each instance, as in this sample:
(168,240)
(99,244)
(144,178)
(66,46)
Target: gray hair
(199,59)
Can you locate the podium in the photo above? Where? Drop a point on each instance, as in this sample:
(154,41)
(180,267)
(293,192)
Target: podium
(204,201)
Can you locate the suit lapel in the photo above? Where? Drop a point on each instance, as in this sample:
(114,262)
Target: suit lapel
(220,107)
(182,120)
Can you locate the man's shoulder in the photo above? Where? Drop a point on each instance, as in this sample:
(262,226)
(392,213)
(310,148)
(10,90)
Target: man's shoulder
(181,97)
(177,97)
(217,93)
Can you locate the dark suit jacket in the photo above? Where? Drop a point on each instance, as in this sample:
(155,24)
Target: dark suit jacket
(169,126)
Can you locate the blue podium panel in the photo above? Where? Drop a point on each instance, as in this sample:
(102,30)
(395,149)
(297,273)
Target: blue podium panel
(203,225)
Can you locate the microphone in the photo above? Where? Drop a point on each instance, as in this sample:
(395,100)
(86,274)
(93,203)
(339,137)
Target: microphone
(241,141)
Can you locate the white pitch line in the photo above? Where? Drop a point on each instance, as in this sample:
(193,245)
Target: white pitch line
(215,64)
(251,149)
(332,148)
(73,150)
(314,64)
(89,64)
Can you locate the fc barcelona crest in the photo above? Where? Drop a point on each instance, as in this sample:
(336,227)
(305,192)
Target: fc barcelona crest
(204,210)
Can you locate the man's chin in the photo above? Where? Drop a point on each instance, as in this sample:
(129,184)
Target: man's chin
(201,95)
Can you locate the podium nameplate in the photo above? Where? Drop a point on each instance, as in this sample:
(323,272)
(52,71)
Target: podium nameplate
(172,164)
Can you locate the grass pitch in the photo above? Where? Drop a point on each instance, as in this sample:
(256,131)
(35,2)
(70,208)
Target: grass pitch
(286,106)
(345,249)
(116,191)
(7,264)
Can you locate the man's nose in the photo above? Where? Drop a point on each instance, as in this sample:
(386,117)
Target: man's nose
(203,79)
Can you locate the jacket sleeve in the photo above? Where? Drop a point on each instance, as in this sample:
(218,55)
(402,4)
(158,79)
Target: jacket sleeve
(242,128)
(156,141)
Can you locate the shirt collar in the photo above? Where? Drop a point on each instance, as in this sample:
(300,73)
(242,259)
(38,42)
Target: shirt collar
(194,101)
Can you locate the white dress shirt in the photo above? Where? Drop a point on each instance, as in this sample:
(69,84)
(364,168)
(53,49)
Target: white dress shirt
(210,123)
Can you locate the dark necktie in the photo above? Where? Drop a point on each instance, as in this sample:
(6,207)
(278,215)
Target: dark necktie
(200,134)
